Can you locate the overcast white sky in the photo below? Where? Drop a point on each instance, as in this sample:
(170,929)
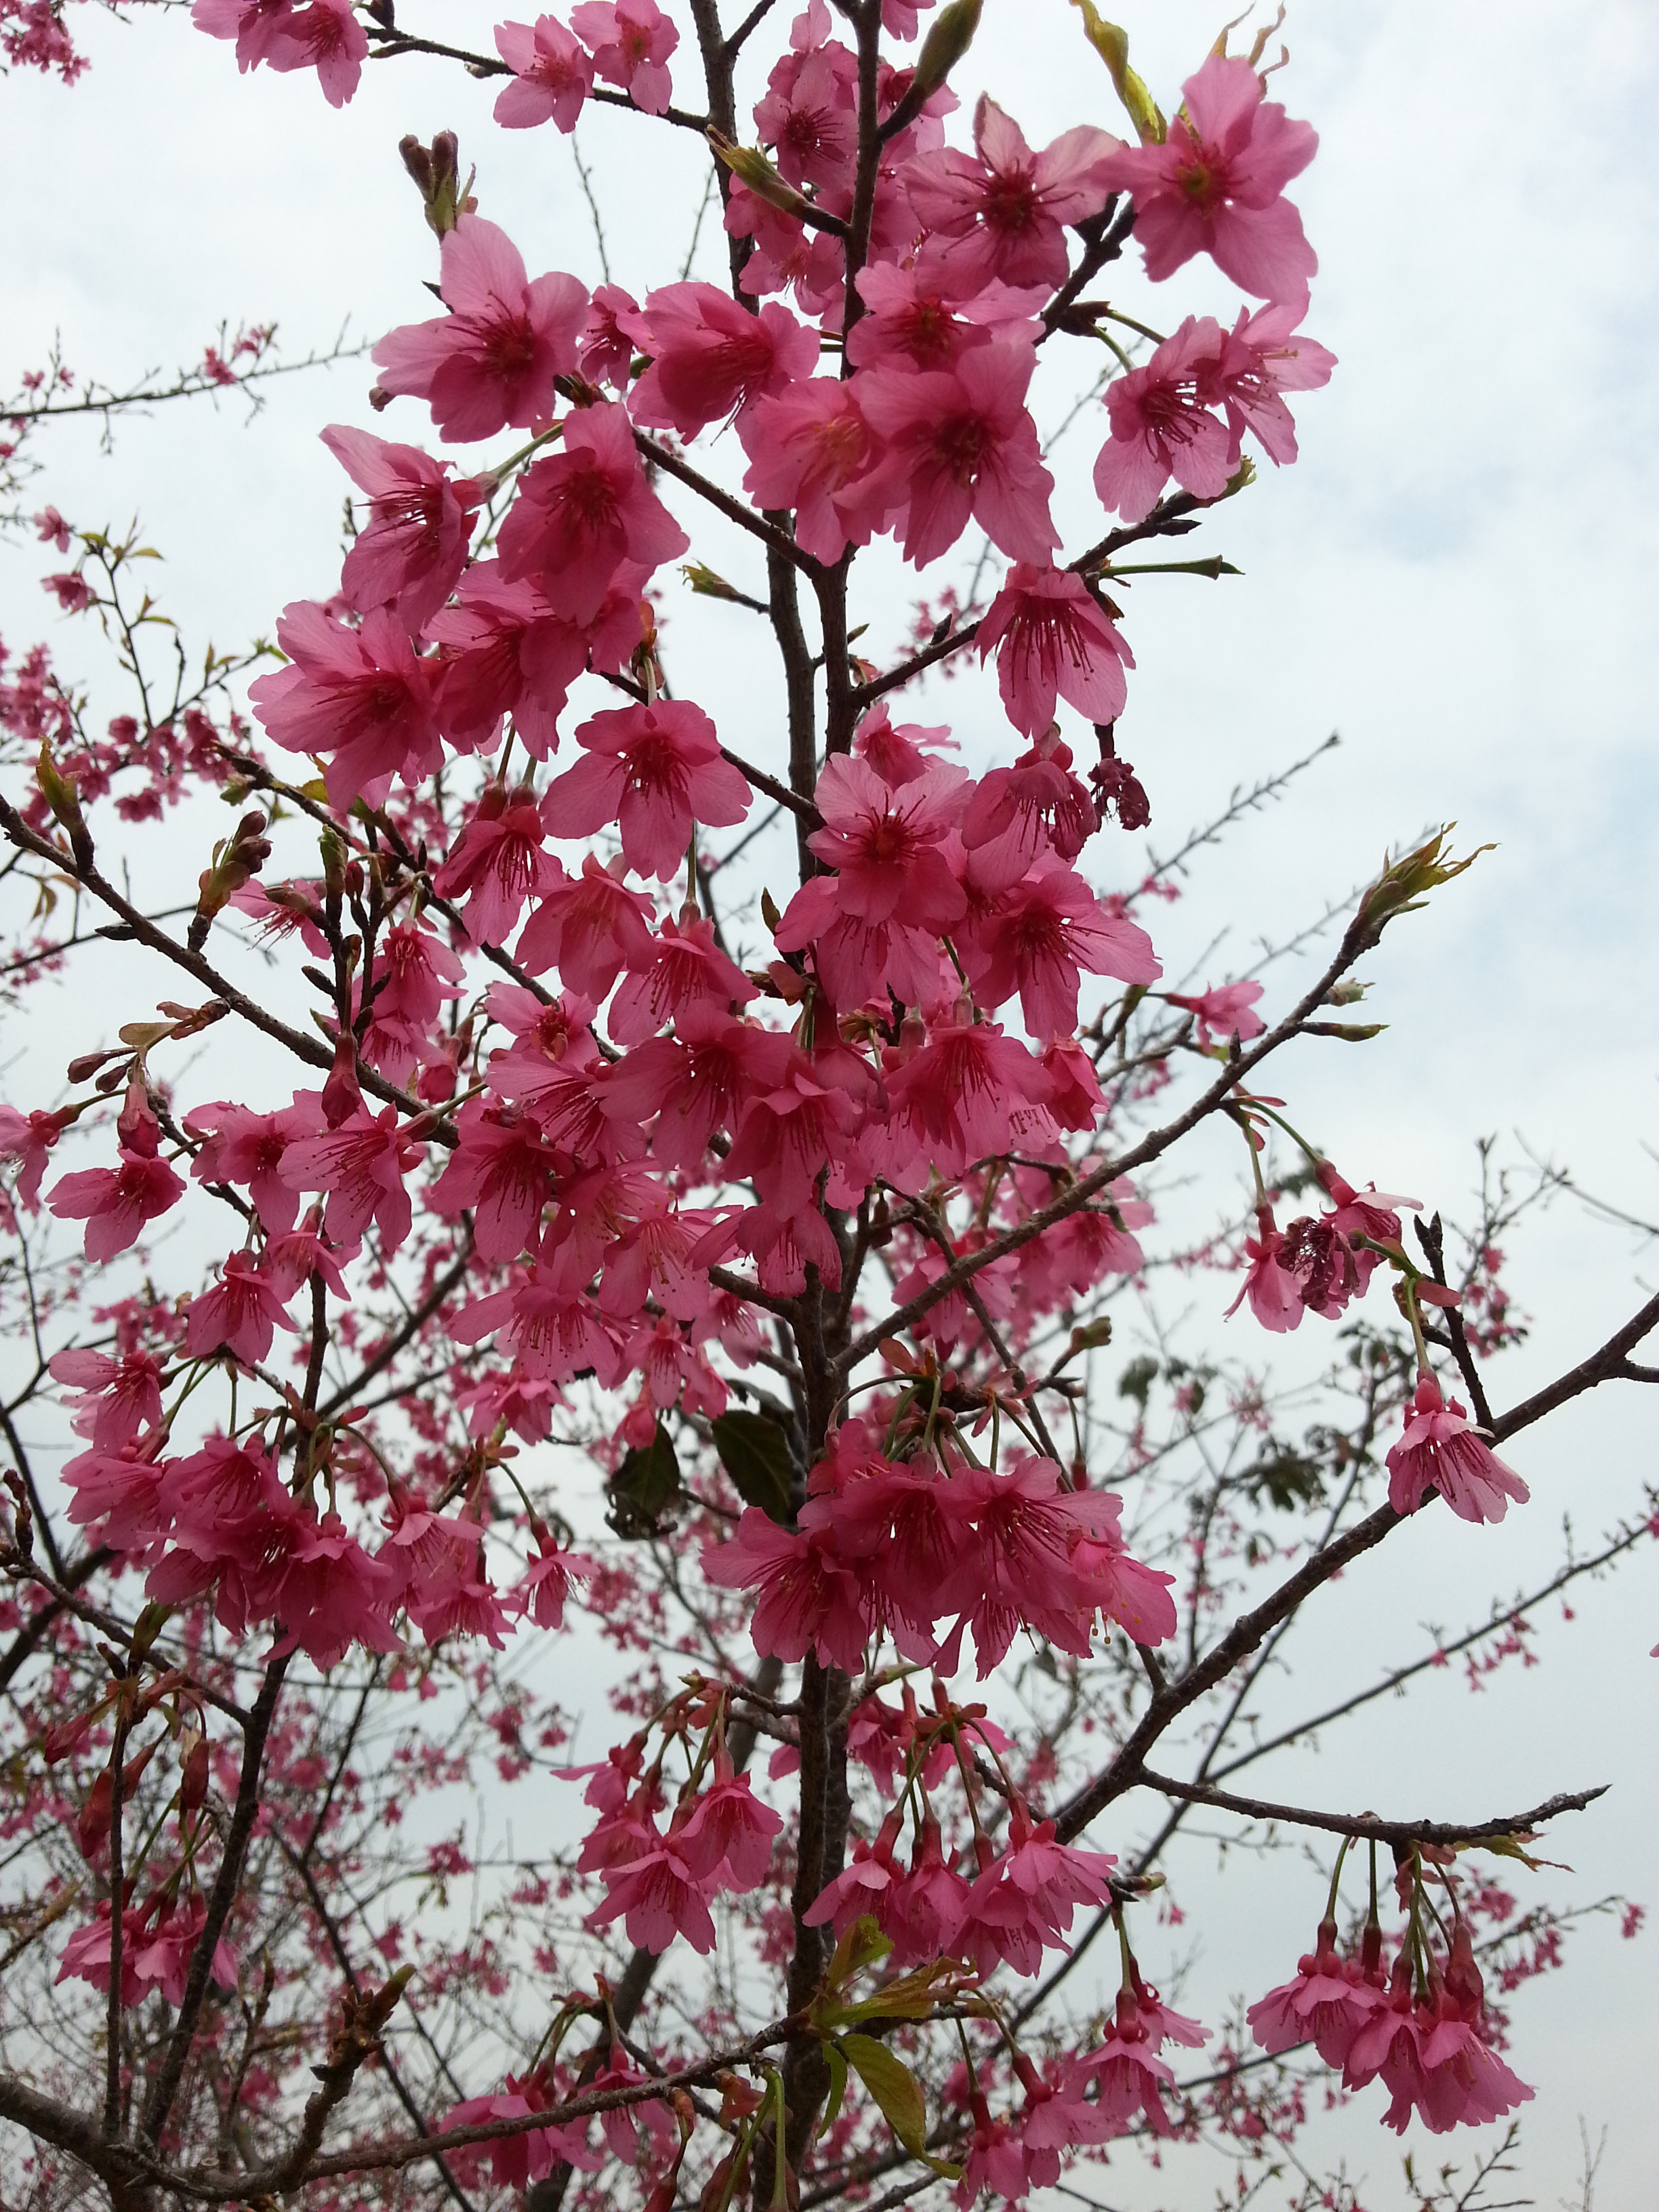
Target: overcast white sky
(1459,575)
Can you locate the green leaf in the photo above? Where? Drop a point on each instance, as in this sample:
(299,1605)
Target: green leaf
(1138,1378)
(645,1489)
(755,1452)
(837,2089)
(863,1945)
(894,2087)
(1290,1481)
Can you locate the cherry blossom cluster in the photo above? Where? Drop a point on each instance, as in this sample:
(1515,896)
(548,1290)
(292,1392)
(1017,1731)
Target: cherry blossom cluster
(832,1217)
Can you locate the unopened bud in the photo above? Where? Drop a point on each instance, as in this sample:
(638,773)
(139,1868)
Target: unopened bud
(1405,884)
(436,172)
(751,167)
(194,1772)
(948,37)
(333,854)
(60,794)
(236,861)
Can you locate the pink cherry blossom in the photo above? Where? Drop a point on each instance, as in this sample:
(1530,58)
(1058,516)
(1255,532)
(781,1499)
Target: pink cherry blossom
(412,552)
(28,1138)
(497,863)
(361,1164)
(711,357)
(686,968)
(729,1836)
(240,1315)
(918,315)
(117,1396)
(360,695)
(1441,1450)
(1265,356)
(806,1599)
(331,1595)
(579,514)
(1162,425)
(1227,1011)
(960,444)
(503,1169)
(1036,938)
(1052,640)
(1327,2005)
(1215,184)
(1003,208)
(116,1203)
(590,927)
(1018,812)
(654,769)
(875,922)
(1271,1287)
(492,359)
(658,1898)
(630,41)
(246,1147)
(806,447)
(553,74)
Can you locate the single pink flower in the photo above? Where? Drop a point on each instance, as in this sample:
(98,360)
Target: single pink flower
(582,512)
(1215,184)
(492,359)
(28,1138)
(807,1599)
(243,1146)
(1227,1011)
(630,42)
(497,863)
(728,1837)
(553,74)
(660,1897)
(1441,1450)
(1162,426)
(655,770)
(503,1169)
(1003,209)
(1017,813)
(360,695)
(1271,1289)
(411,553)
(240,1315)
(590,927)
(51,528)
(1036,938)
(711,357)
(1052,641)
(806,447)
(959,445)
(116,1203)
(362,1165)
(324,35)
(1327,2005)
(1265,356)
(117,1396)
(917,316)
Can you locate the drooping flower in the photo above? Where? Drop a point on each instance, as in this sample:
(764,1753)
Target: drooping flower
(552,75)
(360,695)
(1052,641)
(1330,2000)
(413,547)
(1215,184)
(116,1203)
(492,359)
(238,1315)
(1441,1450)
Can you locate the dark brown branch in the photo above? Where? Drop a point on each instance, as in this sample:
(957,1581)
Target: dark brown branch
(1364,1826)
